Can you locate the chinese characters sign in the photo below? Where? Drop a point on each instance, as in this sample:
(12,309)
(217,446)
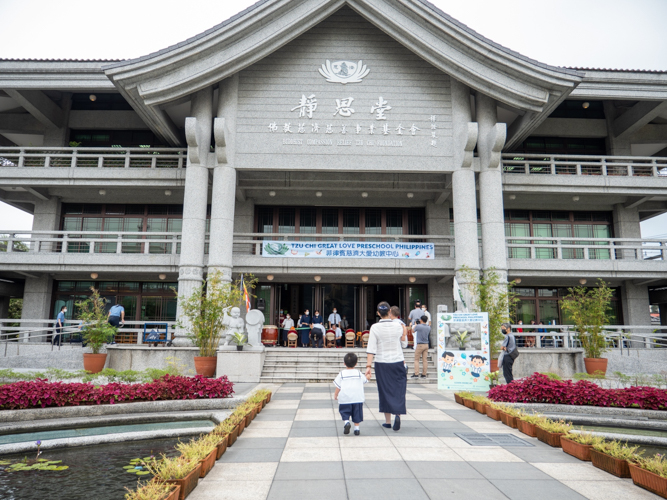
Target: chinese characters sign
(348,249)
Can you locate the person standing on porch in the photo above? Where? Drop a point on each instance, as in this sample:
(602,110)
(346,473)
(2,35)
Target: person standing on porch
(60,323)
(305,324)
(416,314)
(421,332)
(288,323)
(334,319)
(386,342)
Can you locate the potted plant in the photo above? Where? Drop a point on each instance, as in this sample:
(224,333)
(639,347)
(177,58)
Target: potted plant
(202,450)
(550,431)
(528,423)
(613,457)
(154,490)
(462,338)
(480,404)
(202,317)
(650,474)
(96,330)
(492,411)
(178,470)
(490,293)
(588,309)
(579,444)
(239,339)
(492,377)
(509,415)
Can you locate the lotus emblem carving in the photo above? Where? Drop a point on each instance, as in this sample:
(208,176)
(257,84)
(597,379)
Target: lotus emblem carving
(344,71)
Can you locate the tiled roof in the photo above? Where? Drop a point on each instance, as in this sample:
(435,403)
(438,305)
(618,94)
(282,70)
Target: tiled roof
(618,70)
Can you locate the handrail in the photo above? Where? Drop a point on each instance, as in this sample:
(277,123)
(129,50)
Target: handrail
(548,164)
(588,248)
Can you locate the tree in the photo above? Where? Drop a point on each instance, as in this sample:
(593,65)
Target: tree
(96,330)
(588,309)
(202,312)
(494,296)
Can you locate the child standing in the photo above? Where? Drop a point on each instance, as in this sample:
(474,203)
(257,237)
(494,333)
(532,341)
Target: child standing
(350,394)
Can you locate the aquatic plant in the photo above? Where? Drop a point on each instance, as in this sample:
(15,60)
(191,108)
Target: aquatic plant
(136,466)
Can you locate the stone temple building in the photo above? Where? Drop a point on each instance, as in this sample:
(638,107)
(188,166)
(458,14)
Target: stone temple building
(342,151)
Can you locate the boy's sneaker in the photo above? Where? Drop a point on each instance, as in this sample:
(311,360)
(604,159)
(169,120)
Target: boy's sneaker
(423,376)
(357,432)
(415,376)
(346,429)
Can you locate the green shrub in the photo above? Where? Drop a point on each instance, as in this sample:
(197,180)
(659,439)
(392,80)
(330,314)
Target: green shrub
(583,437)
(552,376)
(656,464)
(619,450)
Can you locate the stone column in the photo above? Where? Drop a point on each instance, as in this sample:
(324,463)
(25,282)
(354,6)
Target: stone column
(464,196)
(440,292)
(46,218)
(195,200)
(489,146)
(615,146)
(37,294)
(4,307)
(223,196)
(626,225)
(437,222)
(59,136)
(636,304)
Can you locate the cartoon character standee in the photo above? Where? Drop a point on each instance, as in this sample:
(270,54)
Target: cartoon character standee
(448,362)
(476,362)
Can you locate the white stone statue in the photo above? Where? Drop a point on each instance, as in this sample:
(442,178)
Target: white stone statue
(254,323)
(234,324)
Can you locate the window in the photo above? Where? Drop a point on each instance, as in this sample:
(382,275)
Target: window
(286,220)
(394,221)
(560,145)
(351,221)
(115,138)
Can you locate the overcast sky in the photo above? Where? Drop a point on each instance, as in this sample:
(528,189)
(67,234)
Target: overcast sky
(626,34)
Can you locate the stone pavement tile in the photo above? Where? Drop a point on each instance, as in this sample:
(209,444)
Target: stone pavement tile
(617,490)
(251,455)
(285,405)
(415,442)
(542,455)
(312,442)
(434,415)
(271,424)
(450,426)
(310,424)
(409,431)
(370,454)
(303,470)
(351,441)
(505,470)
(294,384)
(314,414)
(371,428)
(285,390)
(330,432)
(242,471)
(310,455)
(429,455)
(420,405)
(443,470)
(575,472)
(377,470)
(457,442)
(251,442)
(318,396)
(263,432)
(439,489)
(433,397)
(262,417)
(476,454)
(468,415)
(445,405)
(231,490)
(385,489)
(412,397)
(324,387)
(316,404)
(287,396)
(269,412)
(322,489)
(536,489)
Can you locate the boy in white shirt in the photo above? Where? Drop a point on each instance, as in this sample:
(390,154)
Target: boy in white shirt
(350,394)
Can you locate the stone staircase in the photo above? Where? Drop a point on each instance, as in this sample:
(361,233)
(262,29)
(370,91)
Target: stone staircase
(322,365)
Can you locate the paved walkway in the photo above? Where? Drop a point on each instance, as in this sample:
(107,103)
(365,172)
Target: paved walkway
(295,450)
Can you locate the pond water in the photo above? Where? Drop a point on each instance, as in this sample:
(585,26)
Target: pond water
(624,430)
(95,472)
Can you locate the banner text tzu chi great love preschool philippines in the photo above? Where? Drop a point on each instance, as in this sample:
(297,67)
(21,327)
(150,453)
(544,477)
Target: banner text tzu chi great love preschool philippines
(348,249)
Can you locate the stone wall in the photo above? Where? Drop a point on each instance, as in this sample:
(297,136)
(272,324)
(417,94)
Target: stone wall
(563,362)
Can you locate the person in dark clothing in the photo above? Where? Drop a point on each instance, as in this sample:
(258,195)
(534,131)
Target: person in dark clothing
(509,344)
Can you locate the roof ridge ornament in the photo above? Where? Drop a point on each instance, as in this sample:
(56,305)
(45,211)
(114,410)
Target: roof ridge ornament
(344,71)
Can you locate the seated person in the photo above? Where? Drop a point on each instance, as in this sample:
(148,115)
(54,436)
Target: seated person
(339,335)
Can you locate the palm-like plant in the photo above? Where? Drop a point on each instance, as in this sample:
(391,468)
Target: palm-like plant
(96,330)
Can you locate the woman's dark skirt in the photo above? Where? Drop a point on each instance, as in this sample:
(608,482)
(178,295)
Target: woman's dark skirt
(392,385)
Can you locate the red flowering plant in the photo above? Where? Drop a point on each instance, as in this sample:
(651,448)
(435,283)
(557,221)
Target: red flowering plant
(41,393)
(541,389)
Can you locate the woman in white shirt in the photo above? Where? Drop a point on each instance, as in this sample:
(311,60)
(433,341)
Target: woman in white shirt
(386,342)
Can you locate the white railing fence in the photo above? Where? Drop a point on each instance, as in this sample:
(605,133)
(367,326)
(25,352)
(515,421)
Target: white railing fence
(623,166)
(522,247)
(30,157)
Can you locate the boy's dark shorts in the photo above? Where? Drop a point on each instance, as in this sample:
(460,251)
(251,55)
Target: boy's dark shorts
(352,411)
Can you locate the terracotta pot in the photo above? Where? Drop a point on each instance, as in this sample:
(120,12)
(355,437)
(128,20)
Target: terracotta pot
(188,483)
(232,436)
(241,426)
(508,420)
(458,399)
(94,363)
(258,409)
(577,450)
(494,365)
(268,398)
(174,493)
(648,480)
(480,407)
(526,427)
(249,417)
(208,463)
(492,413)
(615,466)
(205,365)
(550,438)
(469,403)
(595,364)
(222,447)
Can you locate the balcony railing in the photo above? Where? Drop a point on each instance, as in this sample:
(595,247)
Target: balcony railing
(521,247)
(618,166)
(49,242)
(251,243)
(93,157)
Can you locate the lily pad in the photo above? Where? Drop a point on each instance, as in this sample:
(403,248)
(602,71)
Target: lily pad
(4,462)
(142,473)
(128,467)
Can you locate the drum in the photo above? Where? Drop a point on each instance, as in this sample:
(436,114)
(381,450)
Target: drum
(411,339)
(270,335)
